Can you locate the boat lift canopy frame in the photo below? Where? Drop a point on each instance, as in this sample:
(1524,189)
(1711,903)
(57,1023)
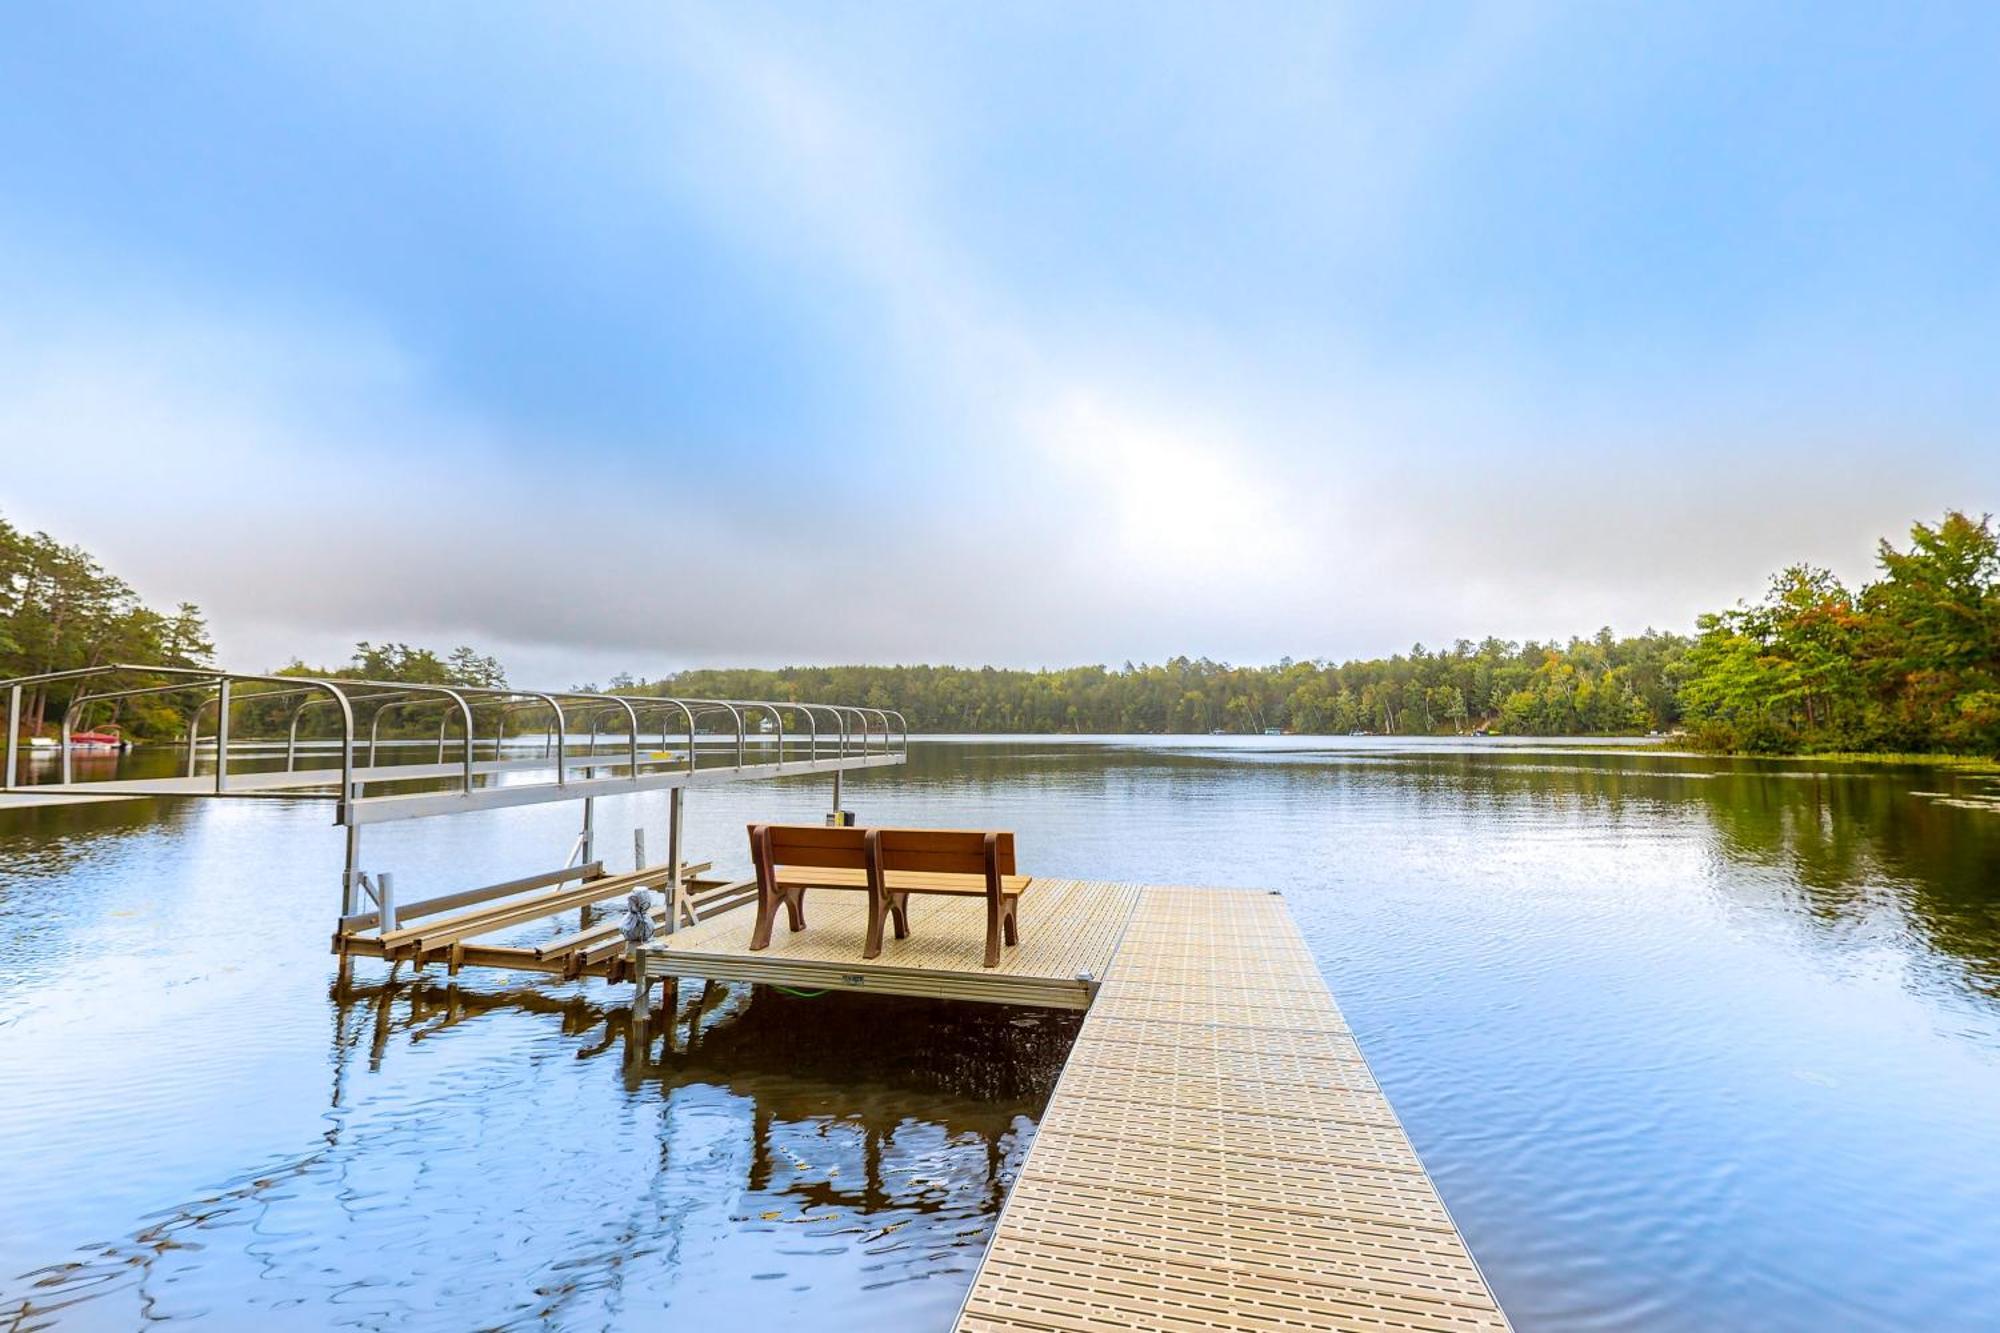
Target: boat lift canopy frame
(716,742)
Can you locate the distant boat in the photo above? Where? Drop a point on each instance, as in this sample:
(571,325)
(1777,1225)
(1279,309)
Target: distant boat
(1272,731)
(108,740)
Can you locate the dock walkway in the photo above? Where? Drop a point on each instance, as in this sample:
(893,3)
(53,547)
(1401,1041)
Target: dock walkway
(1216,1157)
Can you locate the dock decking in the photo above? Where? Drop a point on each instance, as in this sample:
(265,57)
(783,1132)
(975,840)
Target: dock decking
(1216,1157)
(1070,931)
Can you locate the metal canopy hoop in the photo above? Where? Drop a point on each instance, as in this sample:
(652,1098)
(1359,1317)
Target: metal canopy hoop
(257,751)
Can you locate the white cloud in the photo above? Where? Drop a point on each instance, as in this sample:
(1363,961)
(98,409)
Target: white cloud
(1175,504)
(1059,474)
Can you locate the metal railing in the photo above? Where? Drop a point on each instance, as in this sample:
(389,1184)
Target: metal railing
(698,739)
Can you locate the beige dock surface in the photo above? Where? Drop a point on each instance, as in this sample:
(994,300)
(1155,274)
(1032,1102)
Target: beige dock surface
(1216,1155)
(1069,932)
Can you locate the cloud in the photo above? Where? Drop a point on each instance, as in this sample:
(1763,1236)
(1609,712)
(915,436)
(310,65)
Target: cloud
(1175,505)
(1045,357)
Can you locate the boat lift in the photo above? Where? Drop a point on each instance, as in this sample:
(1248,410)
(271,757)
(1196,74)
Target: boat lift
(495,747)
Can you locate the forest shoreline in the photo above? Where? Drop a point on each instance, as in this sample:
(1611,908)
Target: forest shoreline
(1906,664)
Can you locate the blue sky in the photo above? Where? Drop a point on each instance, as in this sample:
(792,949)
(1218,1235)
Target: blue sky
(638,337)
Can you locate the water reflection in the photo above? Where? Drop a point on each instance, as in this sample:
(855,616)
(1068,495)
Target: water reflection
(1842,843)
(885,1128)
(1687,1043)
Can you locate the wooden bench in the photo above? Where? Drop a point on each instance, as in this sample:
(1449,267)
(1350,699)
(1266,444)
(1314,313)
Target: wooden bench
(888,865)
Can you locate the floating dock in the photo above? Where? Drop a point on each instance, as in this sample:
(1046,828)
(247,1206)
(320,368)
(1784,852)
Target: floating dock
(1216,1156)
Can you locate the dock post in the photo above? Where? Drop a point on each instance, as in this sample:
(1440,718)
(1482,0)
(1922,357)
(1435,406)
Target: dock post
(674,858)
(642,984)
(836,797)
(385,896)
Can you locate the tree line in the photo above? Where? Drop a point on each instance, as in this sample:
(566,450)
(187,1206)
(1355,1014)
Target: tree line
(1599,685)
(1910,661)
(60,610)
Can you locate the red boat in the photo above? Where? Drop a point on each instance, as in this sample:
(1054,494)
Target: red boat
(105,739)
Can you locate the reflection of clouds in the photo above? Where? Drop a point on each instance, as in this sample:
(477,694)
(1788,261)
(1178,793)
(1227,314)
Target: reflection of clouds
(884,1154)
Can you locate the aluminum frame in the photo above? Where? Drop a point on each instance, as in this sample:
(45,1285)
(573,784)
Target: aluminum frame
(834,738)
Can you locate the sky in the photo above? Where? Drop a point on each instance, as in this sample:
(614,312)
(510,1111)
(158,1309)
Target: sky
(638,337)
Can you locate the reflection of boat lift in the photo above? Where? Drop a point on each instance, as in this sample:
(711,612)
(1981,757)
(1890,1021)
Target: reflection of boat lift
(510,748)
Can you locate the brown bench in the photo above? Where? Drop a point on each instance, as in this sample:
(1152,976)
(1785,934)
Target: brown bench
(888,865)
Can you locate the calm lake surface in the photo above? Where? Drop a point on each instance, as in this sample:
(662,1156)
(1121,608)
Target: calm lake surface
(1686,1043)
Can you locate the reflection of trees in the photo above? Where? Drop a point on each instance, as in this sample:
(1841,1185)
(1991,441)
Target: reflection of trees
(1847,842)
(48,840)
(1856,841)
(1844,842)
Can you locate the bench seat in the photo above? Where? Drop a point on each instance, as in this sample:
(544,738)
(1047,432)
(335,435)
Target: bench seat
(898,881)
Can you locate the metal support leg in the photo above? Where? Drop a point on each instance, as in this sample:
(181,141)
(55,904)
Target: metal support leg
(222,738)
(350,880)
(385,897)
(587,840)
(13,737)
(674,901)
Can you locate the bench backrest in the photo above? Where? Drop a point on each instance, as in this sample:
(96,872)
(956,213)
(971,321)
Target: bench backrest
(811,845)
(944,851)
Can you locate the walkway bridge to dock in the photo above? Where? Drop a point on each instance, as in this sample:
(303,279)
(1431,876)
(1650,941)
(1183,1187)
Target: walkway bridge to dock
(1216,1157)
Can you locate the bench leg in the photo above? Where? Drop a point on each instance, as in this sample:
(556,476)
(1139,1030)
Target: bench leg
(881,910)
(994,918)
(795,908)
(878,908)
(767,916)
(1010,925)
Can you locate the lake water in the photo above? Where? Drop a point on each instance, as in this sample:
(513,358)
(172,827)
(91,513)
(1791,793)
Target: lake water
(1686,1044)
